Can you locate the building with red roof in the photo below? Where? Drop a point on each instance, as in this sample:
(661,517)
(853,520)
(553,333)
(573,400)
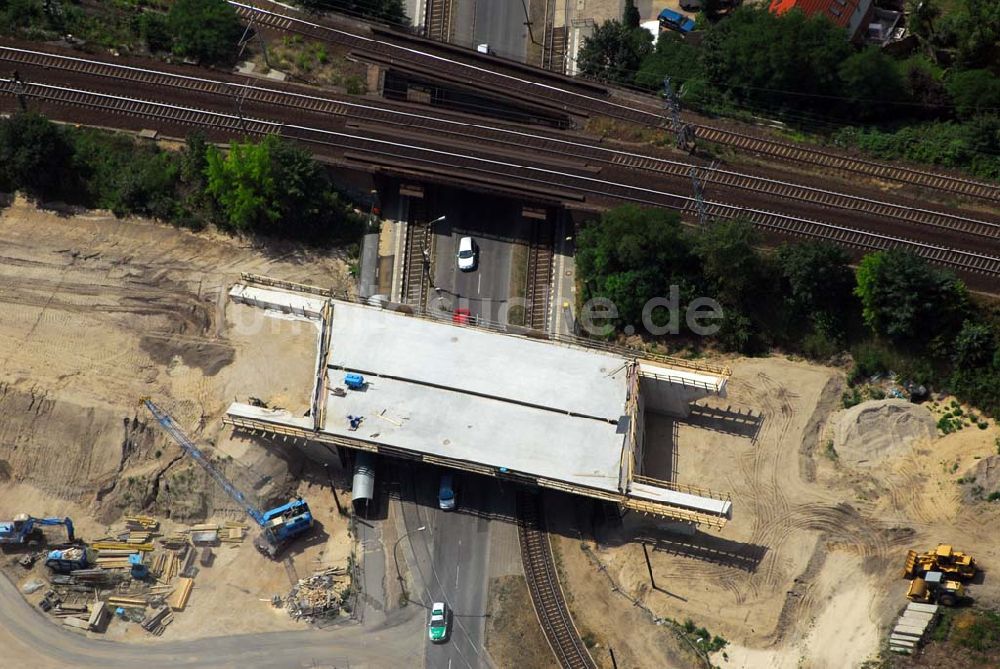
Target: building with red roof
(852,15)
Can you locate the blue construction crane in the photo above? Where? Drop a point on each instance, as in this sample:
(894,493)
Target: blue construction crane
(279,526)
(25,528)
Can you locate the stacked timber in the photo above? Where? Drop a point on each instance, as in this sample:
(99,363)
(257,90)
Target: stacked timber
(178,600)
(155,622)
(142,523)
(174,541)
(121,545)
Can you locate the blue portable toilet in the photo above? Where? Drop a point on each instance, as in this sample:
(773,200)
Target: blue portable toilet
(354,381)
(139,570)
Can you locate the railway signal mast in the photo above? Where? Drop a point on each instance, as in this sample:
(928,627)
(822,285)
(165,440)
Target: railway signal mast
(699,196)
(685,134)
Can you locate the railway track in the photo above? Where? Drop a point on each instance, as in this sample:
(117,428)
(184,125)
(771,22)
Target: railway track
(811,156)
(438,19)
(540,265)
(414,263)
(437,164)
(579,100)
(387,116)
(543,585)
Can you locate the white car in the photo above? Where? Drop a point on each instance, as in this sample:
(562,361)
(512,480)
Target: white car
(437,627)
(467,254)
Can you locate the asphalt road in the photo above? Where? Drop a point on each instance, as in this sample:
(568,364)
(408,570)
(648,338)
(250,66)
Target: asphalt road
(493,223)
(29,640)
(451,562)
(500,23)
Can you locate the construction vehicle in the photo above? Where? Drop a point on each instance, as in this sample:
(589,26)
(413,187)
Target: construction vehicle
(66,560)
(279,526)
(24,529)
(934,588)
(953,564)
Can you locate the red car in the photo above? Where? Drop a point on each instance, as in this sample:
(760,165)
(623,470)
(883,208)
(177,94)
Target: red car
(461,316)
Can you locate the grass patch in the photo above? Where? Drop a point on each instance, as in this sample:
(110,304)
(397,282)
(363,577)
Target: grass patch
(977,630)
(517,314)
(313,62)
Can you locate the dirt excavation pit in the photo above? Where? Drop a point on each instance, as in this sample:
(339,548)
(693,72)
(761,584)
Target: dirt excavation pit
(100,312)
(870,432)
(807,572)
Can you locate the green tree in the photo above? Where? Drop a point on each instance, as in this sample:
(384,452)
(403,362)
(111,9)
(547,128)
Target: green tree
(776,61)
(630,16)
(632,255)
(730,262)
(154,28)
(921,16)
(126,176)
(742,281)
(819,283)
(978,33)
(873,84)
(275,188)
(976,359)
(975,347)
(975,92)
(34,153)
(908,301)
(207,30)
(676,58)
(614,52)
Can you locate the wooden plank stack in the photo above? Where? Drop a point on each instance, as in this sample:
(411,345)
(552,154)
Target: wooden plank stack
(121,545)
(178,600)
(142,523)
(155,622)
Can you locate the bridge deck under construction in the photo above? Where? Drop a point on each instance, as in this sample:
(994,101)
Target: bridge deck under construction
(551,414)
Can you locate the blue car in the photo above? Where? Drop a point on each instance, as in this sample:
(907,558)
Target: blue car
(675,21)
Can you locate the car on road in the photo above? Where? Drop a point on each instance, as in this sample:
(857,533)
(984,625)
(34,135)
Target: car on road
(468,254)
(437,628)
(447,499)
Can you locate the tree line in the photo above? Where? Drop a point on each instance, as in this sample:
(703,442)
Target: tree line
(894,312)
(939,104)
(270,187)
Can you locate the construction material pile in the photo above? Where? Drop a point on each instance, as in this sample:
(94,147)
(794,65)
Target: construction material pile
(318,596)
(872,431)
(139,576)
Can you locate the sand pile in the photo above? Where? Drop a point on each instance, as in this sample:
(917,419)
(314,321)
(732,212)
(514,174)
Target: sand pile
(984,477)
(872,431)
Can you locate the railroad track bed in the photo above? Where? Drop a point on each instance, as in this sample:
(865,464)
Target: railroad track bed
(540,266)
(417,249)
(518,80)
(462,130)
(543,585)
(811,156)
(435,162)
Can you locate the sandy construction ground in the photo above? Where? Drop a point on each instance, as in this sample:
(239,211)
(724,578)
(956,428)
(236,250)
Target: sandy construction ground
(807,572)
(98,312)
